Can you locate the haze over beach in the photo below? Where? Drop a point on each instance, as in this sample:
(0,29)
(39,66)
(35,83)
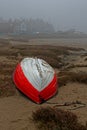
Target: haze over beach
(63,14)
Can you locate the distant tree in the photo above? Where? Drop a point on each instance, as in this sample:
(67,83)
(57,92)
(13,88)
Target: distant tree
(25,26)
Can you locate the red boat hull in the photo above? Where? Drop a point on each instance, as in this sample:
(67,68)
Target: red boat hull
(29,90)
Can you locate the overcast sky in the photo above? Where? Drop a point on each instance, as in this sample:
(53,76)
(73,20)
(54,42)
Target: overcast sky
(63,14)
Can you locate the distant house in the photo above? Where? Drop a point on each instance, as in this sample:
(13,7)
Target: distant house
(20,27)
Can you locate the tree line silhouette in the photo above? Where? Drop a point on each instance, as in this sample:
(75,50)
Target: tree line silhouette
(25,26)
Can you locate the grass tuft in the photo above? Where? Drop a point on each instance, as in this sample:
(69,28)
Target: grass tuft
(56,119)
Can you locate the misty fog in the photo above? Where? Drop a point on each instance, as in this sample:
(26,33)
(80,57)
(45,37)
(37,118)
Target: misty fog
(63,14)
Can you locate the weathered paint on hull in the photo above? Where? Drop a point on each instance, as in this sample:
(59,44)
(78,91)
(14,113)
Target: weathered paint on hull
(38,95)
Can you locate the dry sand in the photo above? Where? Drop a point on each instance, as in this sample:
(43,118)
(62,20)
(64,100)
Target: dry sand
(16,111)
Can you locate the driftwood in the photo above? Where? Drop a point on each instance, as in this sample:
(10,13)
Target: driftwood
(76,105)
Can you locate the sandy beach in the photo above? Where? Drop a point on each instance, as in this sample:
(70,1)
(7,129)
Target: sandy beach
(16,109)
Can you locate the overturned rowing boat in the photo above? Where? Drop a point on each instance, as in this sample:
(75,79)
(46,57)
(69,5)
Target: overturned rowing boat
(36,79)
